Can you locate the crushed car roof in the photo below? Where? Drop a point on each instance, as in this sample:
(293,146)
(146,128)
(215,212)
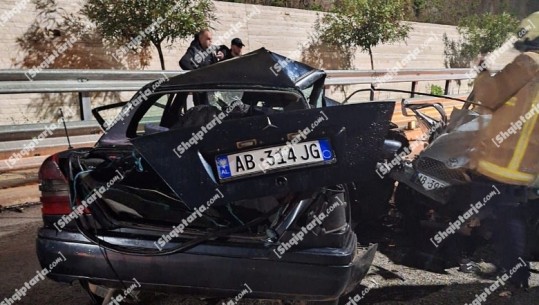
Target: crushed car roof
(260,68)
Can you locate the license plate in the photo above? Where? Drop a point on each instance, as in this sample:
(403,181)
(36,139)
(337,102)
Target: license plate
(260,161)
(430,183)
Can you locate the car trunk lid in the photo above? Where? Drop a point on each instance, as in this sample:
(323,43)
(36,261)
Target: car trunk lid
(188,159)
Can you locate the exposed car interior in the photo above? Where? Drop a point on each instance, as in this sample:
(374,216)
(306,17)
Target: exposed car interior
(188,109)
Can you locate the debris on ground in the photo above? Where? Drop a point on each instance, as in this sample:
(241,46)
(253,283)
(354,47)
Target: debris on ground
(19,207)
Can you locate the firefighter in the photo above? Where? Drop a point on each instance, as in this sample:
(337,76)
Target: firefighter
(505,154)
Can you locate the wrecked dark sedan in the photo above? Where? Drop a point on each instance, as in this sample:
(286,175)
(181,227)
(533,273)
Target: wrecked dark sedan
(235,175)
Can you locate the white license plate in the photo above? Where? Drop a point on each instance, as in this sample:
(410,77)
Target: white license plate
(271,158)
(430,183)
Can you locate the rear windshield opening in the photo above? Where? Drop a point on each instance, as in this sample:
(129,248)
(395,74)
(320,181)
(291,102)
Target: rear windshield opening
(195,108)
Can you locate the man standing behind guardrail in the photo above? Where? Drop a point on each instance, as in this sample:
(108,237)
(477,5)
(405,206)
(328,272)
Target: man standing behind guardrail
(505,154)
(236,46)
(200,53)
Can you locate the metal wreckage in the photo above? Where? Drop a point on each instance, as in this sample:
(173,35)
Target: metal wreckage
(230,175)
(444,204)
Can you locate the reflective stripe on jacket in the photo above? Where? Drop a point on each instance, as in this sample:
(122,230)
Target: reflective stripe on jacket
(508,147)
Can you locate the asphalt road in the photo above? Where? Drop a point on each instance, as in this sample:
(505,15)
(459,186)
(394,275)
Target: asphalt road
(392,284)
(18,262)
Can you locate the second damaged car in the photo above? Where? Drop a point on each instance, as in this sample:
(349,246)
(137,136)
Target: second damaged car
(230,177)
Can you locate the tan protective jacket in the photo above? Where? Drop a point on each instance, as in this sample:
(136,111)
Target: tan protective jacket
(508,147)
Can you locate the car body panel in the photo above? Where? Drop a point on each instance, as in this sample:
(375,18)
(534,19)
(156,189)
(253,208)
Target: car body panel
(356,134)
(258,69)
(210,270)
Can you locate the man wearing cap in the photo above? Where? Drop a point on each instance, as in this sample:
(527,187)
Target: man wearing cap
(236,46)
(505,153)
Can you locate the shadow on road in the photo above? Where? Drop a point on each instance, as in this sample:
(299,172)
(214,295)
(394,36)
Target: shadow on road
(18,264)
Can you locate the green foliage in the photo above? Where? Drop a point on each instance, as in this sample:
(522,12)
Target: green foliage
(430,11)
(122,21)
(418,6)
(315,7)
(42,43)
(437,90)
(488,32)
(454,57)
(364,24)
(453,11)
(440,11)
(281,3)
(481,34)
(52,28)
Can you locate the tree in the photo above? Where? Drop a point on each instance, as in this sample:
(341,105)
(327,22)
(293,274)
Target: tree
(364,24)
(60,39)
(480,35)
(136,24)
(418,6)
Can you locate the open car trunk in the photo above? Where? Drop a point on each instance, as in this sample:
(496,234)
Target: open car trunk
(161,186)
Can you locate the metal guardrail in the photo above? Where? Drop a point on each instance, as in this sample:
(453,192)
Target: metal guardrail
(347,77)
(86,81)
(49,81)
(55,81)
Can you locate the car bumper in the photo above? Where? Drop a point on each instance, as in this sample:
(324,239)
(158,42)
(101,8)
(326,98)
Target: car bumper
(210,271)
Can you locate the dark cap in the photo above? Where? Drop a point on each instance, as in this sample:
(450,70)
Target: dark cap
(237,42)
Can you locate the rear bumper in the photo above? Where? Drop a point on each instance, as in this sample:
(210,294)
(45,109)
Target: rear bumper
(210,270)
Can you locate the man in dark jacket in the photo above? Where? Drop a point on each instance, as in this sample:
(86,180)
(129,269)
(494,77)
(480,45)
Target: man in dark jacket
(235,49)
(200,53)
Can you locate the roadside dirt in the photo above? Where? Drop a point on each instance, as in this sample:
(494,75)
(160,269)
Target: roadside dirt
(18,187)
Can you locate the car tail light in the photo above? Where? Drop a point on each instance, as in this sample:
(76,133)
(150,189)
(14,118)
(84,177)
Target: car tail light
(54,188)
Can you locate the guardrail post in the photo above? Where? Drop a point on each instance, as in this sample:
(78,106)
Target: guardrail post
(414,84)
(85,106)
(447,84)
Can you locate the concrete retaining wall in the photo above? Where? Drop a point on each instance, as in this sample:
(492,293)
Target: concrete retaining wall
(285,31)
